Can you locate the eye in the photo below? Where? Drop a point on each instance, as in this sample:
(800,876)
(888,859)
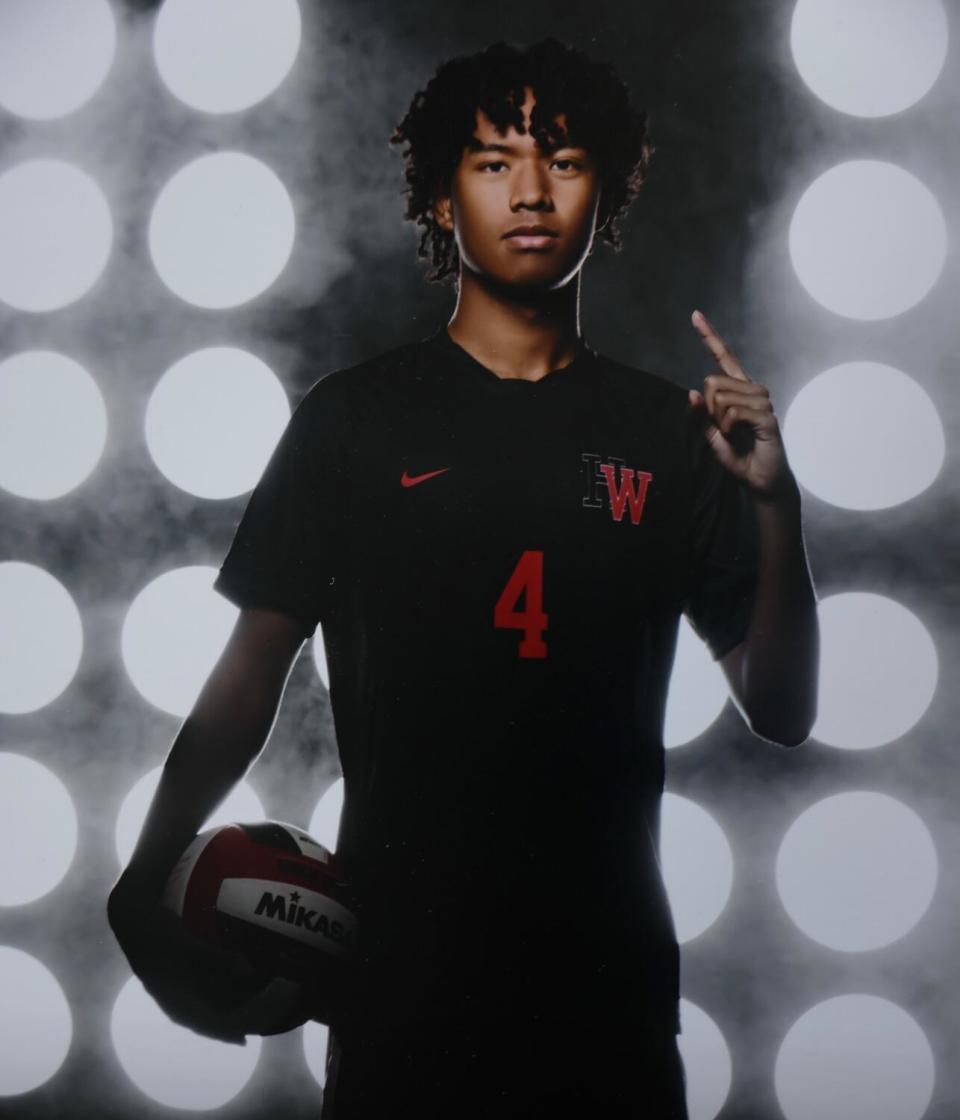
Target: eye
(572,164)
(492,163)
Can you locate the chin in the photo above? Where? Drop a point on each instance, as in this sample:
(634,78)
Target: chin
(551,282)
(548,277)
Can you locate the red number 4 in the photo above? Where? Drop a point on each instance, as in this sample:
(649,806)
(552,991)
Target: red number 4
(527,577)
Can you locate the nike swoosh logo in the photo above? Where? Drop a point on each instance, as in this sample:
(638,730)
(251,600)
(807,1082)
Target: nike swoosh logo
(406,480)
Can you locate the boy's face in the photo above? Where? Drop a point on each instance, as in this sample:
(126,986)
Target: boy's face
(494,191)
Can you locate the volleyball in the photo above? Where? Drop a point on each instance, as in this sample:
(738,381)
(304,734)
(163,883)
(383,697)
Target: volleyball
(271,892)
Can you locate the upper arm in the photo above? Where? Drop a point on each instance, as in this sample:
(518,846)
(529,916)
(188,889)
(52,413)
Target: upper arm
(287,548)
(256,660)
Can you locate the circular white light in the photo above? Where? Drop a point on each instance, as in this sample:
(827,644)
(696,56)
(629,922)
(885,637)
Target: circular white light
(54,56)
(213,420)
(55,234)
(53,424)
(867,240)
(878,670)
(891,454)
(38,829)
(866,58)
(320,657)
(857,871)
(325,822)
(174,632)
(240,805)
(706,1061)
(697,865)
(222,56)
(172,1064)
(854,1057)
(316,1041)
(697,691)
(41,637)
(35,1022)
(221,230)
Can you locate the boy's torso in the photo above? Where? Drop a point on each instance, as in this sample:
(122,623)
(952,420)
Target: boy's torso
(499,642)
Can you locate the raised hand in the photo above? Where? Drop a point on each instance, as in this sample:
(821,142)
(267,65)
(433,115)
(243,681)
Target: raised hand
(739,422)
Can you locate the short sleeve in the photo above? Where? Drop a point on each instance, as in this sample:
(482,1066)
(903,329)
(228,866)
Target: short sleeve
(723,543)
(283,555)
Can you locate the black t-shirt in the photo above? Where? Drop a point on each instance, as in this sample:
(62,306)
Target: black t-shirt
(499,567)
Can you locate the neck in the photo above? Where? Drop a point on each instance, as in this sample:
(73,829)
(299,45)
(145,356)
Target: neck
(516,336)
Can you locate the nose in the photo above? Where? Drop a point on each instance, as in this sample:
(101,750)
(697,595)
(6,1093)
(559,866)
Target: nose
(530,187)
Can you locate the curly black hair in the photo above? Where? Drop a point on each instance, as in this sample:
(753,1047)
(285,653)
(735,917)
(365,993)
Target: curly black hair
(441,122)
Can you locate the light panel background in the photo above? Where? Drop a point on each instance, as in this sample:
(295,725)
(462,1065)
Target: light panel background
(199,216)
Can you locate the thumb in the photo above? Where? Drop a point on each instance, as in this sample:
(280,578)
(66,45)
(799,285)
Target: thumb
(697,404)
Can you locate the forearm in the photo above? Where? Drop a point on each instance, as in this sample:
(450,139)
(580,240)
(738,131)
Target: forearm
(781,659)
(212,751)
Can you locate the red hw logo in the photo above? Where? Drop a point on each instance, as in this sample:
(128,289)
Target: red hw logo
(628,491)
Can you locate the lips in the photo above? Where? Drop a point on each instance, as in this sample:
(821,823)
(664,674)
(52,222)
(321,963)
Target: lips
(531,231)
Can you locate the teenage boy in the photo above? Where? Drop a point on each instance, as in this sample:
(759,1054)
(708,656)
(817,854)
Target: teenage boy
(498,530)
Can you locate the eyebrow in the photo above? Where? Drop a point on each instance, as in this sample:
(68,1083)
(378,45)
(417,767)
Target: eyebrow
(476,145)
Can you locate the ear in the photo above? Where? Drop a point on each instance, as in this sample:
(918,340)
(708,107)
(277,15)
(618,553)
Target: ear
(443,212)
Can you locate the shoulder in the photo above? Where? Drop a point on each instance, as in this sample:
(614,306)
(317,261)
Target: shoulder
(636,381)
(338,404)
(642,388)
(347,384)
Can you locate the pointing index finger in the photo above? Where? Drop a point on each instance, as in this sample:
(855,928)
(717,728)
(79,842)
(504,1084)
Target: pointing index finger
(724,356)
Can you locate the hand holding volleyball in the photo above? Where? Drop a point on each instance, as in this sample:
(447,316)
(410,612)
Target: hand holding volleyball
(195,984)
(250,935)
